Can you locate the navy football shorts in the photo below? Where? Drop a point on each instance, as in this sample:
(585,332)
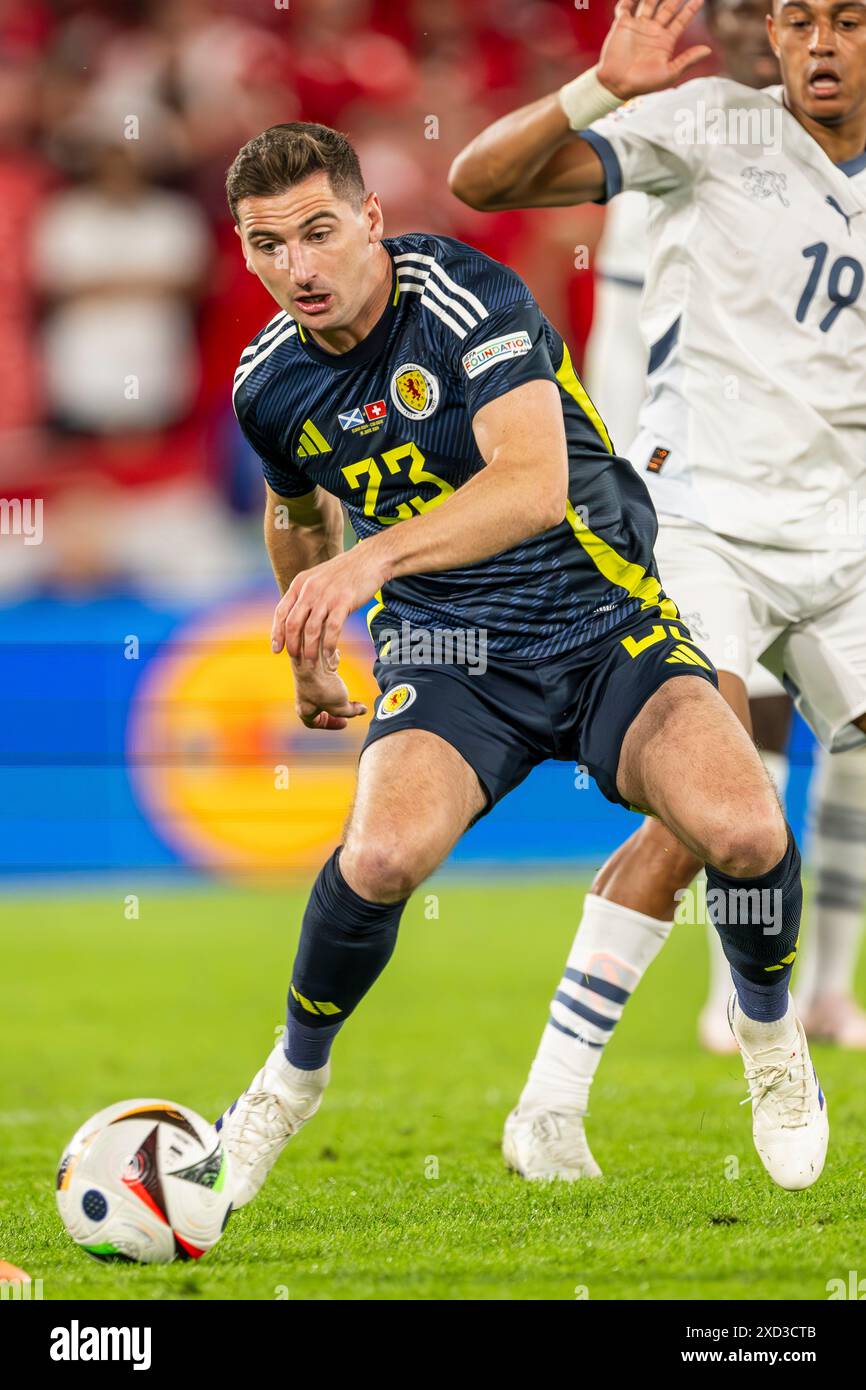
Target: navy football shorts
(575,707)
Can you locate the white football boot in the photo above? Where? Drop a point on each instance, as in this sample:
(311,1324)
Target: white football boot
(545,1144)
(789,1112)
(255,1130)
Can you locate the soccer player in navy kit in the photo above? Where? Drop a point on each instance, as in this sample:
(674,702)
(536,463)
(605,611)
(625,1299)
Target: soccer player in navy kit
(416,381)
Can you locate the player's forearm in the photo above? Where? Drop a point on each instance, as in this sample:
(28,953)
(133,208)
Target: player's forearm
(500,163)
(500,507)
(533,157)
(293,547)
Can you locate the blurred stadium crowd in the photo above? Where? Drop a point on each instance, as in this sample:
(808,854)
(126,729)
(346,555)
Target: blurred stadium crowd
(125,302)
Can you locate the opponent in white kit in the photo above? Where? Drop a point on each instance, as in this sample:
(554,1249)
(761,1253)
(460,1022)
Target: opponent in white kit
(755,311)
(615,374)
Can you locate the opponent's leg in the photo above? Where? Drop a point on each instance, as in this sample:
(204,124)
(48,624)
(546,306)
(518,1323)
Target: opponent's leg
(627,917)
(825,983)
(415,797)
(544,1135)
(686,757)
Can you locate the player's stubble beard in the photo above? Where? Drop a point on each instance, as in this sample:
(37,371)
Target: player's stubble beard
(360,315)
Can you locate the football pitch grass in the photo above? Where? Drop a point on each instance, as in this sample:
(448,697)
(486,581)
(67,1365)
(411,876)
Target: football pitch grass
(397,1189)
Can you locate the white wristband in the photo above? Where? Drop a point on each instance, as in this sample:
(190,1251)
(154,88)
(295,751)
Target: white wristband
(585,100)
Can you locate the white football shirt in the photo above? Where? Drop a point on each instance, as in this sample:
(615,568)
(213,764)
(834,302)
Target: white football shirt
(614,363)
(754,311)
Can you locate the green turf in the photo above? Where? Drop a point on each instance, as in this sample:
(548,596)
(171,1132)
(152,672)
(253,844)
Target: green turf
(397,1189)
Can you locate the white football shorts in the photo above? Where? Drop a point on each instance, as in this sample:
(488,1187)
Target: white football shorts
(800,613)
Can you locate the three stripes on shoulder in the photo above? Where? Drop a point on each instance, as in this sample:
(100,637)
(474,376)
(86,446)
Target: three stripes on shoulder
(275,332)
(419,274)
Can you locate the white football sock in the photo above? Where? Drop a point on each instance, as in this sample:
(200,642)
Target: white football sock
(756,1036)
(612,949)
(839,885)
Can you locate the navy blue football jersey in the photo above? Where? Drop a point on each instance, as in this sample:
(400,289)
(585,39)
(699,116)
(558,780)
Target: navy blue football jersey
(387,428)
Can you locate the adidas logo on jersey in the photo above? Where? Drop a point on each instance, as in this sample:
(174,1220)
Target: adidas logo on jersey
(686,656)
(312,441)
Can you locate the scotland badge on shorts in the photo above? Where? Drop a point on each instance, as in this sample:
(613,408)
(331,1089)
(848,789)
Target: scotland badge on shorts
(398,699)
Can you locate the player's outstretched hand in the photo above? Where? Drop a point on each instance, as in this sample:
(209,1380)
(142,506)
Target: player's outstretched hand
(638,53)
(321,697)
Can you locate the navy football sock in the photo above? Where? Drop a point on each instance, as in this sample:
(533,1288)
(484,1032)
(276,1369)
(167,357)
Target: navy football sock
(345,944)
(758,921)
(763,1003)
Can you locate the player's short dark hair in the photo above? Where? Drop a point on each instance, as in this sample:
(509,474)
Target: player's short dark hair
(283,155)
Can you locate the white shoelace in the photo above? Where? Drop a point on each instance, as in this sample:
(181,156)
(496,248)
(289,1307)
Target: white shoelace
(786,1084)
(265,1125)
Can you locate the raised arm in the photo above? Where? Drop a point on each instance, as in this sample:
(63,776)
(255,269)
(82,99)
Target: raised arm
(530,158)
(533,157)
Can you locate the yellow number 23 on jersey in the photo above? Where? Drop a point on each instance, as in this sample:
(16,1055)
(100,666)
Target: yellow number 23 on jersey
(395,461)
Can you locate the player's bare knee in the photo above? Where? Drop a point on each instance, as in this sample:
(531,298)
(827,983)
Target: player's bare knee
(381,873)
(750,845)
